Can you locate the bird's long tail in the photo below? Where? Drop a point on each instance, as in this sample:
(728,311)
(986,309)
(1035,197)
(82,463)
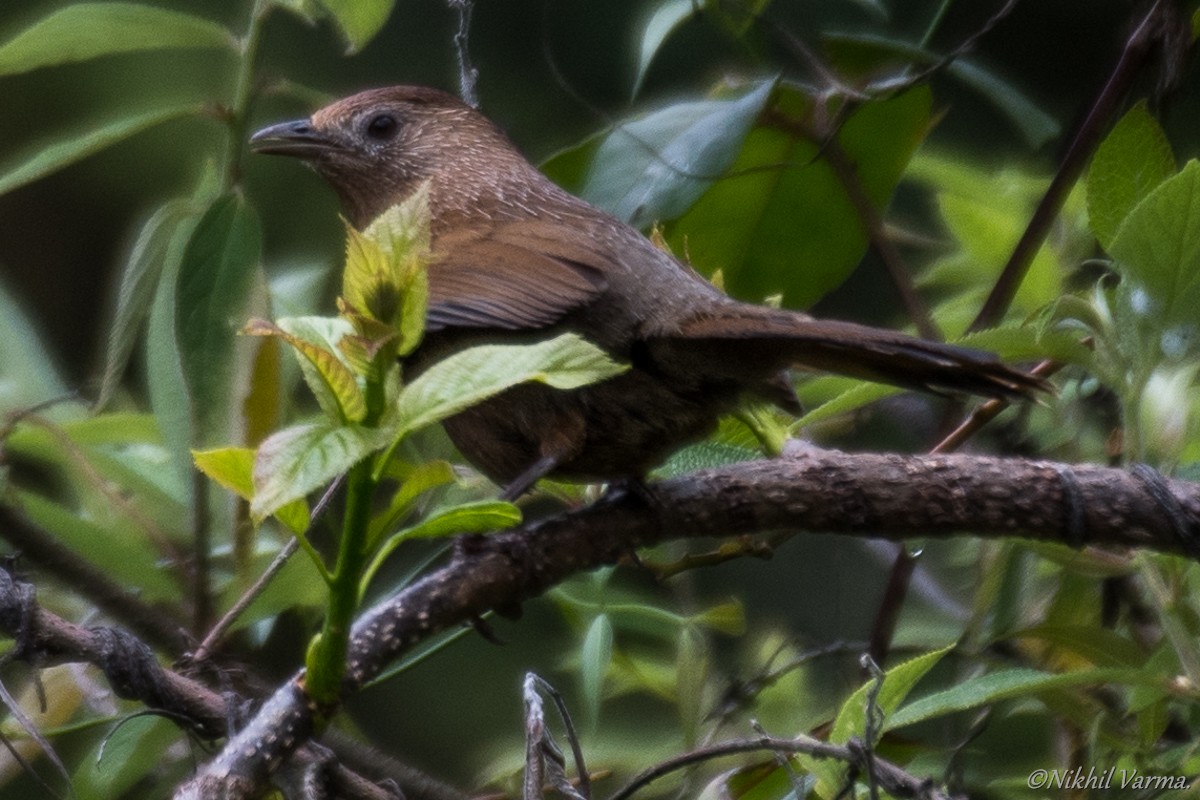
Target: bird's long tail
(786,339)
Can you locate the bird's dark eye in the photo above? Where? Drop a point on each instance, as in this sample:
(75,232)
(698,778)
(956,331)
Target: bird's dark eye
(382,127)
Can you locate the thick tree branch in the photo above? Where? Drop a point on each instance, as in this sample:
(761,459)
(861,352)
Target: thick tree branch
(886,496)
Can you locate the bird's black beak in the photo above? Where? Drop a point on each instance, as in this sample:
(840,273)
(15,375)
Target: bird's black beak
(297,138)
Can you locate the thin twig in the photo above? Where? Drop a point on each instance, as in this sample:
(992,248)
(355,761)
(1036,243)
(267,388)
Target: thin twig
(468,75)
(885,248)
(218,631)
(986,413)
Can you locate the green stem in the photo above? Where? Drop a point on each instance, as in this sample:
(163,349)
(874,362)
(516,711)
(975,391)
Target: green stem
(314,557)
(327,657)
(243,92)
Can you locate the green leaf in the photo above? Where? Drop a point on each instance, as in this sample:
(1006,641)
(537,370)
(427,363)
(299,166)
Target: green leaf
(1102,647)
(692,662)
(114,466)
(985,212)
(120,551)
(851,719)
(415,483)
(308,10)
(1132,160)
(659,25)
(139,280)
(301,459)
(704,455)
(897,683)
(655,167)
(359,20)
(996,686)
(228,466)
(567,361)
(164,370)
(727,618)
(594,657)
(216,278)
(134,749)
(315,338)
(87,30)
(1027,343)
(53,157)
(1158,249)
(862,394)
(482,516)
(232,467)
(782,222)
(28,374)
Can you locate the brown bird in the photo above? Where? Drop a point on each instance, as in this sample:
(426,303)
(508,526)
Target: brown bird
(518,259)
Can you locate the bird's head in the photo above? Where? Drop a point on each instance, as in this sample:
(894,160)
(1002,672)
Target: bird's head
(376,146)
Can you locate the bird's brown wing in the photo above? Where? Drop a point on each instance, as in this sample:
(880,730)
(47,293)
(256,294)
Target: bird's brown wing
(516,276)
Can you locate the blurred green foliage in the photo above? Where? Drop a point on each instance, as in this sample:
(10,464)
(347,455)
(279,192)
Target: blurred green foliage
(138,238)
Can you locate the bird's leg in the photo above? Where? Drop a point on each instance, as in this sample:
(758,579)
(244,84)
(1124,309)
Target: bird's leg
(560,442)
(532,474)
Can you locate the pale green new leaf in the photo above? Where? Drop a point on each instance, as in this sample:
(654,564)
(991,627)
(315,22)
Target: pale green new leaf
(87,30)
(464,379)
(64,152)
(232,468)
(301,459)
(851,400)
(385,274)
(330,379)
(483,516)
